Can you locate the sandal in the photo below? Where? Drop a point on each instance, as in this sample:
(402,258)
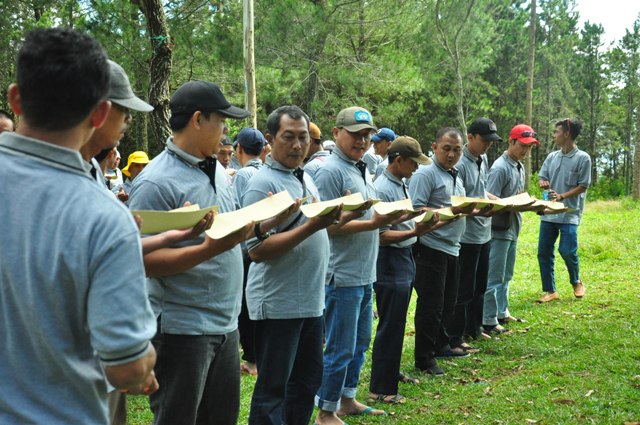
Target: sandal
(386,398)
(510,319)
(406,379)
(497,330)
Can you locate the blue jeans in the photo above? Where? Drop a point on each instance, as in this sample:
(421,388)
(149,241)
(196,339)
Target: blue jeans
(348,321)
(568,249)
(289,357)
(502,260)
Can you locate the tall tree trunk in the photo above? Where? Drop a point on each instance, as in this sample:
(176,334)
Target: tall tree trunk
(453,49)
(636,165)
(160,70)
(529,92)
(249,63)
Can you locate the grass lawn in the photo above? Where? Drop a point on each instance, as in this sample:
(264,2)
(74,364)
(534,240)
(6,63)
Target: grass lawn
(572,362)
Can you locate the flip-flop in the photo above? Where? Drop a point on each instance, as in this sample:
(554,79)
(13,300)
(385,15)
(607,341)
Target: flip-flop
(384,398)
(369,411)
(406,379)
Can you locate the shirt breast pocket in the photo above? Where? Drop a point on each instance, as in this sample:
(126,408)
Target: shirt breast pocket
(572,179)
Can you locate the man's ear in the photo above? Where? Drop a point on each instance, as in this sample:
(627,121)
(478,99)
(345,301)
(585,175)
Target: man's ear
(196,119)
(100,113)
(15,102)
(267,136)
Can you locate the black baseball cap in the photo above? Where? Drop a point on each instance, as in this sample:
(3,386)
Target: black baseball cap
(486,129)
(199,95)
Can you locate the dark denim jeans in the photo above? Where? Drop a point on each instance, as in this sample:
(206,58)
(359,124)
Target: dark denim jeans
(199,377)
(568,249)
(289,356)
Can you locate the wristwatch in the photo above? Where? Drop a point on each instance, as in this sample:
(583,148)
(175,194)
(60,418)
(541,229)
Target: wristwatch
(259,235)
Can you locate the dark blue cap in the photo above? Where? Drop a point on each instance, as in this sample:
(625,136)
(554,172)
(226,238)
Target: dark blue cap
(251,139)
(384,134)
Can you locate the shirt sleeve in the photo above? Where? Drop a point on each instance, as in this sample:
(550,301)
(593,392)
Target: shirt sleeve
(495,181)
(584,177)
(328,184)
(420,187)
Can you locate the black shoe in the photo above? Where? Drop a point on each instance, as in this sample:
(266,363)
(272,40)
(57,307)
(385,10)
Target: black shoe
(452,352)
(432,369)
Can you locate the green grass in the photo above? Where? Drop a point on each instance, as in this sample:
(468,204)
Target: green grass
(572,362)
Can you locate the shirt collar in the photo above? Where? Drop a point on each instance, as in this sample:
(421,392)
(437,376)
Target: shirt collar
(272,163)
(467,153)
(317,154)
(391,177)
(50,153)
(342,156)
(186,157)
(570,153)
(437,164)
(509,160)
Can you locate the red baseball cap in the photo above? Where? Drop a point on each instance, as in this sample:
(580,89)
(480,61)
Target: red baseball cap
(524,134)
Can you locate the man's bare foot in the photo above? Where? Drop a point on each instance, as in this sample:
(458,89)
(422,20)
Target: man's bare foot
(249,368)
(352,407)
(325,417)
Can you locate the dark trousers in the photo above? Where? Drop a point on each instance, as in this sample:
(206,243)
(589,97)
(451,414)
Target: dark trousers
(396,270)
(474,270)
(289,358)
(436,285)
(246,326)
(199,377)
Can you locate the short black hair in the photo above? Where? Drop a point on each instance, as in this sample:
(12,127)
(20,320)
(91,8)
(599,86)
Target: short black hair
(62,75)
(448,132)
(572,125)
(293,111)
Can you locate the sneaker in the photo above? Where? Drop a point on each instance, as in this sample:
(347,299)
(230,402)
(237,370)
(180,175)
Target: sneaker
(432,369)
(549,296)
(578,289)
(452,352)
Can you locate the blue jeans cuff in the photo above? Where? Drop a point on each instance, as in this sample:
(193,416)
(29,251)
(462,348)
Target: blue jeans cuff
(329,406)
(349,392)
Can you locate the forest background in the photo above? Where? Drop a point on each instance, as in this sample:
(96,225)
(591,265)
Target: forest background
(417,65)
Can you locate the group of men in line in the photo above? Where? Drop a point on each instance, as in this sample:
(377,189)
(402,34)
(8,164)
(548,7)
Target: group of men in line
(89,308)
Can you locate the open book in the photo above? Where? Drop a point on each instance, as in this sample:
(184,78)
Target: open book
(180,218)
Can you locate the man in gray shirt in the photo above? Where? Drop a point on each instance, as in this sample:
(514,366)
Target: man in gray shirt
(436,253)
(285,288)
(474,244)
(67,319)
(199,284)
(566,175)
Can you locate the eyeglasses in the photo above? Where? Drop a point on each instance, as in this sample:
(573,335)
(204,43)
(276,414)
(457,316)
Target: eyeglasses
(529,134)
(358,135)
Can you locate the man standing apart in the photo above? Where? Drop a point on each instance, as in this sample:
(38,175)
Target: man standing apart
(354,249)
(566,173)
(61,318)
(475,242)
(506,178)
(381,142)
(200,284)
(285,288)
(436,281)
(395,272)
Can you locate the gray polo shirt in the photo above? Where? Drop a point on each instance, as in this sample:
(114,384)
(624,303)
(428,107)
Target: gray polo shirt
(243,175)
(353,257)
(565,172)
(72,291)
(371,159)
(290,286)
(391,189)
(204,300)
(432,186)
(473,173)
(381,167)
(316,161)
(506,178)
